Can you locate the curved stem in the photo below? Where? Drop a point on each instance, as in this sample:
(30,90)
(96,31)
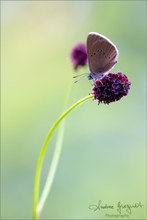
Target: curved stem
(43,150)
(55,160)
(52,170)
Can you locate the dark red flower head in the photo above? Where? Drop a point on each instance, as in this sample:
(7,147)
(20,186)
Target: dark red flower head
(79,55)
(111,88)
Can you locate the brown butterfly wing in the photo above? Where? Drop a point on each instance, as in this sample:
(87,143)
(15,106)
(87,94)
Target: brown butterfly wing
(102,53)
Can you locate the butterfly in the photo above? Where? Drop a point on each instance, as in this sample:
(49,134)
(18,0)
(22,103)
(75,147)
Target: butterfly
(102,55)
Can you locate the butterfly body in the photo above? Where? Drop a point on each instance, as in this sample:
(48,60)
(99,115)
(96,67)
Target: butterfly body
(95,76)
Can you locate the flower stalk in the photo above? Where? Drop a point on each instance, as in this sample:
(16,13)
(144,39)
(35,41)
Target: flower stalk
(43,150)
(55,159)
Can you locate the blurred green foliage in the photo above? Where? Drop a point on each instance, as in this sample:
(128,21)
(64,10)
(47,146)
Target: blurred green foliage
(104,152)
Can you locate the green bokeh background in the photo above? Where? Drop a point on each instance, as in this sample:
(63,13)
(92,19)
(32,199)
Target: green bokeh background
(104,149)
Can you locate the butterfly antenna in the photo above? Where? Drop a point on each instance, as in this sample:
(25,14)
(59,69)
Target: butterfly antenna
(79,79)
(83,74)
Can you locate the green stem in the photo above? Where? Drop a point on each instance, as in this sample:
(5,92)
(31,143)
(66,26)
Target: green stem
(55,158)
(43,150)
